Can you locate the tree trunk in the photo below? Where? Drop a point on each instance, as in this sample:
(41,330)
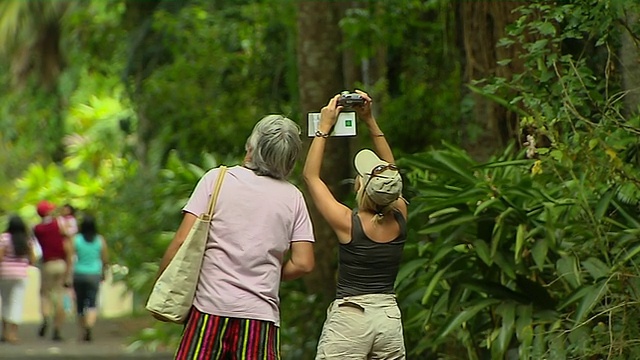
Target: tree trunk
(482,24)
(630,61)
(319,78)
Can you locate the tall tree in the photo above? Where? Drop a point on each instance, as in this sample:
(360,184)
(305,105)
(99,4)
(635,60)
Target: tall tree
(630,59)
(319,78)
(30,36)
(482,25)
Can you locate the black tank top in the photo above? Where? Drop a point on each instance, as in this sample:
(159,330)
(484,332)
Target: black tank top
(368,267)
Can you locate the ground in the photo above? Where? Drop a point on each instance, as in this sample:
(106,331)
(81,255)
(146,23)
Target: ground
(112,338)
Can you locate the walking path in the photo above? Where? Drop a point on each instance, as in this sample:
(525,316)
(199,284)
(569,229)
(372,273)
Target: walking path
(112,338)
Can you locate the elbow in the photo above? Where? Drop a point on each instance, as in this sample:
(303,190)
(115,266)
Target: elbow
(310,179)
(306,267)
(306,176)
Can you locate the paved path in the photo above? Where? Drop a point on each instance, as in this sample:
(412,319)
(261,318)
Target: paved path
(111,340)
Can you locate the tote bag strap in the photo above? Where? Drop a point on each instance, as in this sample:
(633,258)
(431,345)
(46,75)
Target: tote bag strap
(216,192)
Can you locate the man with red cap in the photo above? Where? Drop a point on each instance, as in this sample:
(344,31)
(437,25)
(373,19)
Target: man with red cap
(56,267)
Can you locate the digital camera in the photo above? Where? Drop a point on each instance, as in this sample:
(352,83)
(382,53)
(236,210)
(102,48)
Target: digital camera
(347,99)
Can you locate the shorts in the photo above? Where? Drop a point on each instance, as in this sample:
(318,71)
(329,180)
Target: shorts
(86,289)
(362,327)
(209,336)
(52,279)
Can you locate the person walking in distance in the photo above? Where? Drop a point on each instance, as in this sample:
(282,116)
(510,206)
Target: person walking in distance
(91,261)
(16,254)
(69,225)
(363,322)
(56,268)
(259,218)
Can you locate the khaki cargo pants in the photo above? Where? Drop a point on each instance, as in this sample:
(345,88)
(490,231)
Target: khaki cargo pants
(362,327)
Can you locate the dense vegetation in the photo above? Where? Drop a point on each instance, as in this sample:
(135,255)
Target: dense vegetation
(516,124)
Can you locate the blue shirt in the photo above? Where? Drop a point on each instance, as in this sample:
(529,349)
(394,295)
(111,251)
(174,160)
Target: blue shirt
(88,255)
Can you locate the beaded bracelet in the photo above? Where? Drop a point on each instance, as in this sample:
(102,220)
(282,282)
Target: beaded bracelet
(321,134)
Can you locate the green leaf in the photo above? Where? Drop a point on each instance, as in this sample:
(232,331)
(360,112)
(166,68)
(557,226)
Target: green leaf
(556,155)
(498,100)
(568,270)
(596,268)
(580,338)
(629,255)
(508,312)
(557,348)
(440,226)
(452,167)
(626,215)
(539,342)
(524,330)
(409,268)
(520,236)
(574,296)
(482,249)
(485,204)
(447,211)
(432,285)
(464,316)
(539,253)
(603,204)
(505,265)
(593,143)
(547,28)
(589,301)
(507,164)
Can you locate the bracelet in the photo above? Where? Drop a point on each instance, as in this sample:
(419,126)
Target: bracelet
(377,135)
(321,134)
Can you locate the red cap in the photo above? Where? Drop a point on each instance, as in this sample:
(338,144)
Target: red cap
(44,207)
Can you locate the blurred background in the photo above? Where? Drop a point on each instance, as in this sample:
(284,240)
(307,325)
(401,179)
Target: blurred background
(515,123)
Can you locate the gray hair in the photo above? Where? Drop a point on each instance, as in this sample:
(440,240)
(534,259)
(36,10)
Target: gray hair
(274,145)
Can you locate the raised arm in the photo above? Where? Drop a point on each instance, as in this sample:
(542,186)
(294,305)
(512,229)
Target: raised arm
(380,144)
(336,214)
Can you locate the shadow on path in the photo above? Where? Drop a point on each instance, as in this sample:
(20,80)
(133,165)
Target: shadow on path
(111,338)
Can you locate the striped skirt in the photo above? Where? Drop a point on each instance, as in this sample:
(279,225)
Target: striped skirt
(211,337)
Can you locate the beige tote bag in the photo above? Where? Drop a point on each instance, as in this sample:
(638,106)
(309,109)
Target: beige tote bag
(172,295)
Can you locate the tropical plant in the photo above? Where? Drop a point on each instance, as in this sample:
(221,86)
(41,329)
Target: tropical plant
(508,259)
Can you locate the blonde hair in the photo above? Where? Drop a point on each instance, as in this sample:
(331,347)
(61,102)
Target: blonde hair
(365,203)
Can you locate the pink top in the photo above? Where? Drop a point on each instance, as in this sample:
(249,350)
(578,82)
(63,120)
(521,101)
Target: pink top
(256,218)
(12,267)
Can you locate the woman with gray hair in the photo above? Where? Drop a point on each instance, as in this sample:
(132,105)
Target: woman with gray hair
(364,320)
(259,218)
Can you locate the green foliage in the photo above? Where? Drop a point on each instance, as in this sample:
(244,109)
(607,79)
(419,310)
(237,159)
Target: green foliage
(229,67)
(411,43)
(529,256)
(534,255)
(500,251)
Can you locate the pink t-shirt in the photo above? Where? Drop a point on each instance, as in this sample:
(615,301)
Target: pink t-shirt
(12,267)
(255,220)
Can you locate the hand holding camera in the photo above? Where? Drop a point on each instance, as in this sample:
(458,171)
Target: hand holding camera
(333,120)
(363,109)
(329,114)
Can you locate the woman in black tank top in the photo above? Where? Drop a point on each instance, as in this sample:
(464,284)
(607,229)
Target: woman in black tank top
(364,320)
